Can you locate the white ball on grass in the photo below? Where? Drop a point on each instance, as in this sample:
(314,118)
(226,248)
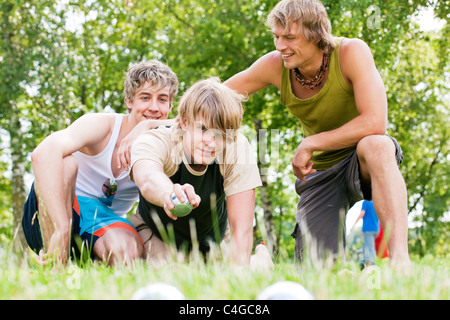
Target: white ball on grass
(158,291)
(285,290)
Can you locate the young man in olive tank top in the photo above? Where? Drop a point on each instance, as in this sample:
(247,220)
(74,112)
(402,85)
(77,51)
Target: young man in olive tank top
(333,87)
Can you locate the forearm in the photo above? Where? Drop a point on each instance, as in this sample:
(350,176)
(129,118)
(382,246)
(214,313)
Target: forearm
(53,215)
(241,208)
(241,245)
(47,164)
(155,187)
(152,124)
(124,151)
(345,136)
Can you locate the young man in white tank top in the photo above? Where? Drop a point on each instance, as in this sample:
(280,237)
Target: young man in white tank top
(82,184)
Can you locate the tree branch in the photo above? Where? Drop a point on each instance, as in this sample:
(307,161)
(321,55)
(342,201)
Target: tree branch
(428,175)
(183,21)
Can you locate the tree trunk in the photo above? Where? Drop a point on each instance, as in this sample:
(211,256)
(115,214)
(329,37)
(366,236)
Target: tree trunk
(269,232)
(18,184)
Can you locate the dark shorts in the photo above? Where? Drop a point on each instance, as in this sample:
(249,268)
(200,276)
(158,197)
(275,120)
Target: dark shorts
(32,228)
(325,199)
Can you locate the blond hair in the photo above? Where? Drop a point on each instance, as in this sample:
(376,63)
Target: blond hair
(157,73)
(215,103)
(310,16)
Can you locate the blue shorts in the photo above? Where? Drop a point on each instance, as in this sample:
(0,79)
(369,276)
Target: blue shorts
(90,220)
(96,218)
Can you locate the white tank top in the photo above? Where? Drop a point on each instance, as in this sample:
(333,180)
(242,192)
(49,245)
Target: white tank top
(95,171)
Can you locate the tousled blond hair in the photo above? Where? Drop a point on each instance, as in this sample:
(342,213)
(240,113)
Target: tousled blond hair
(157,73)
(215,103)
(311,17)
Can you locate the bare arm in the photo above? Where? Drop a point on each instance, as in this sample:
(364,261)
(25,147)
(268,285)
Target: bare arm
(361,215)
(240,208)
(359,69)
(156,187)
(47,162)
(264,72)
(124,151)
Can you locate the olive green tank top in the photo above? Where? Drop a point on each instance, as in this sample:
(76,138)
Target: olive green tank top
(333,106)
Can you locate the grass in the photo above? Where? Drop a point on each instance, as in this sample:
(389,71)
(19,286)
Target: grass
(20,278)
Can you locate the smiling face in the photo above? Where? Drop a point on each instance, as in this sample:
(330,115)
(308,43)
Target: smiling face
(306,16)
(295,50)
(150,103)
(202,145)
(209,114)
(149,88)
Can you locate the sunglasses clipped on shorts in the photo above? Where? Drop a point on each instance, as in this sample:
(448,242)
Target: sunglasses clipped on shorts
(109,189)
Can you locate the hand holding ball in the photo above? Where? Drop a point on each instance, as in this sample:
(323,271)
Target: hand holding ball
(181,209)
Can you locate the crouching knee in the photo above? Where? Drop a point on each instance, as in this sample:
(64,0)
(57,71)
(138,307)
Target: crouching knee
(376,146)
(118,246)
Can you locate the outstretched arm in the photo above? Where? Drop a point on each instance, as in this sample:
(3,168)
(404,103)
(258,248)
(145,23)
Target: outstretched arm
(156,187)
(241,208)
(264,72)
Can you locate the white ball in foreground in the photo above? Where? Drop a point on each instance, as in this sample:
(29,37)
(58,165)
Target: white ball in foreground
(158,291)
(285,290)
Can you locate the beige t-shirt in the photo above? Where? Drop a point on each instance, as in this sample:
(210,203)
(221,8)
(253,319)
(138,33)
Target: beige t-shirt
(237,164)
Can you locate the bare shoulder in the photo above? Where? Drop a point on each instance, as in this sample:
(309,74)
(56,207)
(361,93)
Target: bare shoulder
(355,57)
(92,129)
(352,45)
(97,117)
(89,121)
(352,50)
(273,59)
(269,67)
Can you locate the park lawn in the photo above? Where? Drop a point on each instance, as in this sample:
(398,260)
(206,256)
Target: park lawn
(218,280)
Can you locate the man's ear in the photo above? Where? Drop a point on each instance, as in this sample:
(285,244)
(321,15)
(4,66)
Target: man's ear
(128,103)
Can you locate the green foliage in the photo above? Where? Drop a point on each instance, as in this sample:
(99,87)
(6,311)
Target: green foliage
(418,100)
(5,205)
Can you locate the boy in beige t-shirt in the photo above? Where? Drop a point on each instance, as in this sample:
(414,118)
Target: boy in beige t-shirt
(205,156)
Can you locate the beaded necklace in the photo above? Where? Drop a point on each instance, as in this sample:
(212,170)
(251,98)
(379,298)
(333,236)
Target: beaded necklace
(316,82)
